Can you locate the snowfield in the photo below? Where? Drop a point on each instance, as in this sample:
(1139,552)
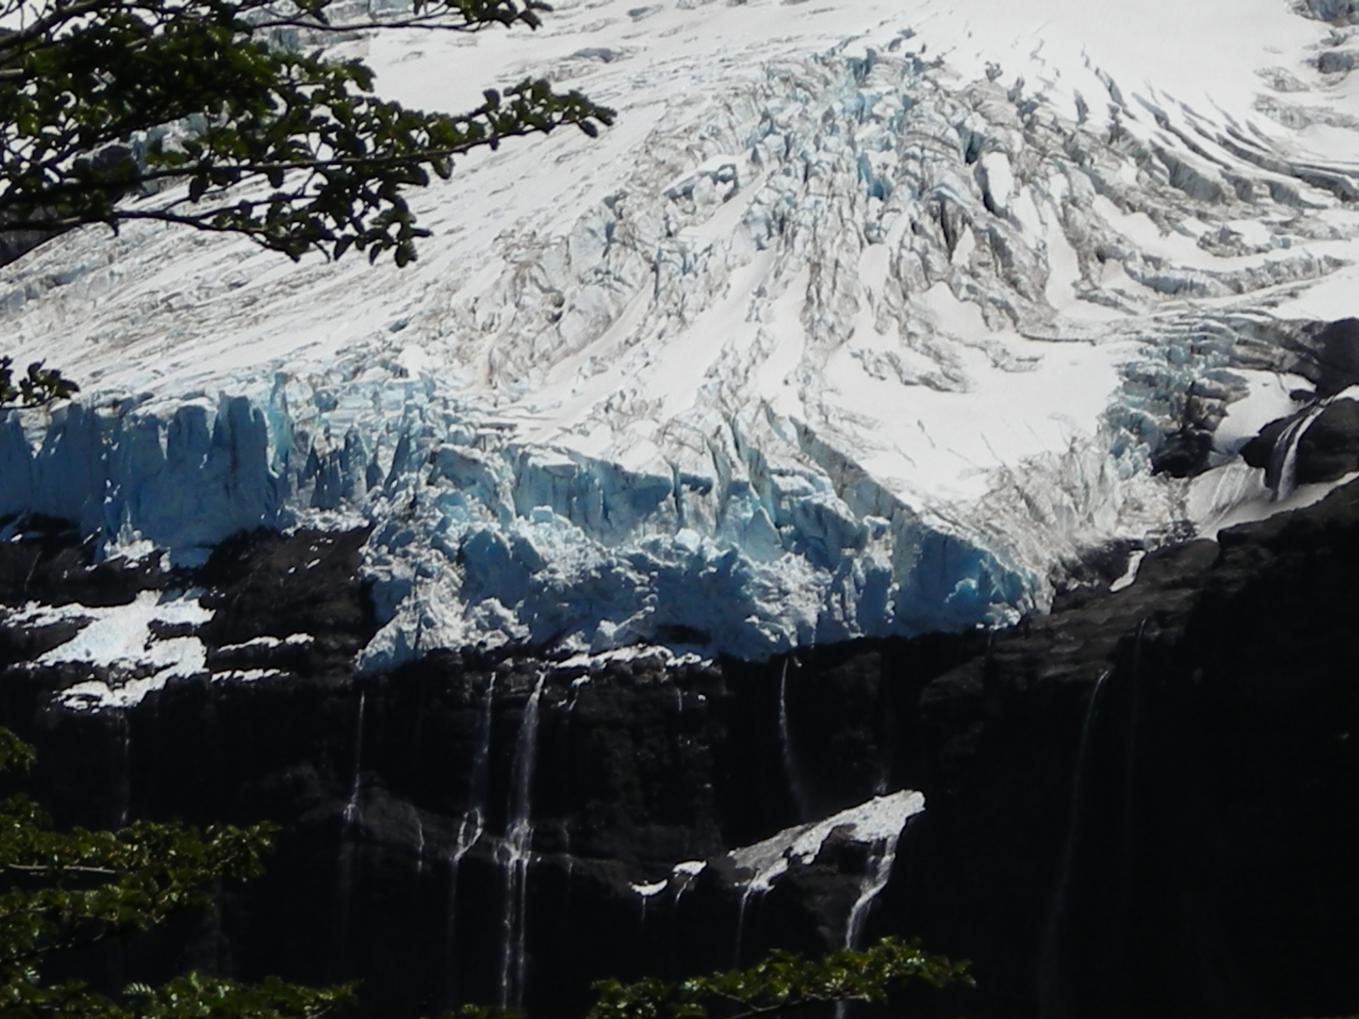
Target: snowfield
(866,318)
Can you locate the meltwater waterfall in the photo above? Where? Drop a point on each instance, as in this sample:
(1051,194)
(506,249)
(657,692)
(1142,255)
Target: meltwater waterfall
(751,893)
(877,872)
(516,852)
(878,869)
(351,810)
(350,820)
(1076,765)
(1052,992)
(1282,470)
(790,767)
(472,823)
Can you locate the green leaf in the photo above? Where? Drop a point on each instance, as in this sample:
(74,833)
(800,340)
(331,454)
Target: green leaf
(15,754)
(242,113)
(67,890)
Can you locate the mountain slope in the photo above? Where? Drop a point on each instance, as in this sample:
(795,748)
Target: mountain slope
(863,321)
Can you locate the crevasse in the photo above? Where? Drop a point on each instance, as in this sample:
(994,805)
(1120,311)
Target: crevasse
(843,344)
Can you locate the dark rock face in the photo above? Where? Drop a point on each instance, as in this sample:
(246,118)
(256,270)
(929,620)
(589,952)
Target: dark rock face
(266,585)
(1326,354)
(1185,453)
(1329,449)
(1203,845)
(1187,450)
(1259,452)
(1138,805)
(1331,357)
(52,565)
(1325,443)
(1337,356)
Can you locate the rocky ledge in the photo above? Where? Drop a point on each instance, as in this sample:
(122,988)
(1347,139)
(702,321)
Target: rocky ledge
(1136,805)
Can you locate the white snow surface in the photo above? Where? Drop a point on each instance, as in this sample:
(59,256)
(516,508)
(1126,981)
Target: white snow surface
(863,319)
(1235,494)
(119,641)
(880,819)
(650,890)
(1129,575)
(267,642)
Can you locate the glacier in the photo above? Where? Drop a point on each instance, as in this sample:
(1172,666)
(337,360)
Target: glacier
(864,320)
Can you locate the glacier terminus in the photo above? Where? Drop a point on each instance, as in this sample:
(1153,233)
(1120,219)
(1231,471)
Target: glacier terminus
(867,319)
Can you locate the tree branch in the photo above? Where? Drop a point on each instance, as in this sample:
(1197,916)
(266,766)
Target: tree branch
(40,28)
(38,868)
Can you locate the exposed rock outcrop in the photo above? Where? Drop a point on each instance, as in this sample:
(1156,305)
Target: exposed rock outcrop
(1132,806)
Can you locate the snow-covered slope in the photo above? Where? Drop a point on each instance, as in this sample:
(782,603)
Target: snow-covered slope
(866,318)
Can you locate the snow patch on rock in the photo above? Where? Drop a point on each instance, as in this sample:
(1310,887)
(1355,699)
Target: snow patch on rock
(121,643)
(881,818)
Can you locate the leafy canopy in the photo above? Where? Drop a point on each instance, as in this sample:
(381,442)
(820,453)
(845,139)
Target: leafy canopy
(784,982)
(102,101)
(64,891)
(37,386)
(781,983)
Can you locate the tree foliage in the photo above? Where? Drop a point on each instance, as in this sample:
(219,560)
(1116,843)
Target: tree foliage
(781,983)
(36,386)
(102,101)
(784,982)
(63,891)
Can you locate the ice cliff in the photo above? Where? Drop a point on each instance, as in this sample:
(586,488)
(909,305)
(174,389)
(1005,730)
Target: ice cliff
(865,320)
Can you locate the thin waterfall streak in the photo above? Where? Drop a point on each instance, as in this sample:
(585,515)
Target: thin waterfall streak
(351,810)
(786,747)
(473,822)
(1283,460)
(681,886)
(750,892)
(882,857)
(1047,959)
(469,831)
(350,820)
(124,770)
(520,946)
(517,852)
(420,842)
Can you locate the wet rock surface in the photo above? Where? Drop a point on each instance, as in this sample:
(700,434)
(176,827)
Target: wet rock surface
(1329,449)
(1320,443)
(1135,805)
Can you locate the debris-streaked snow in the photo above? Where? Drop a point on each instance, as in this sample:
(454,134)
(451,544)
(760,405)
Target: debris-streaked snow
(120,641)
(859,327)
